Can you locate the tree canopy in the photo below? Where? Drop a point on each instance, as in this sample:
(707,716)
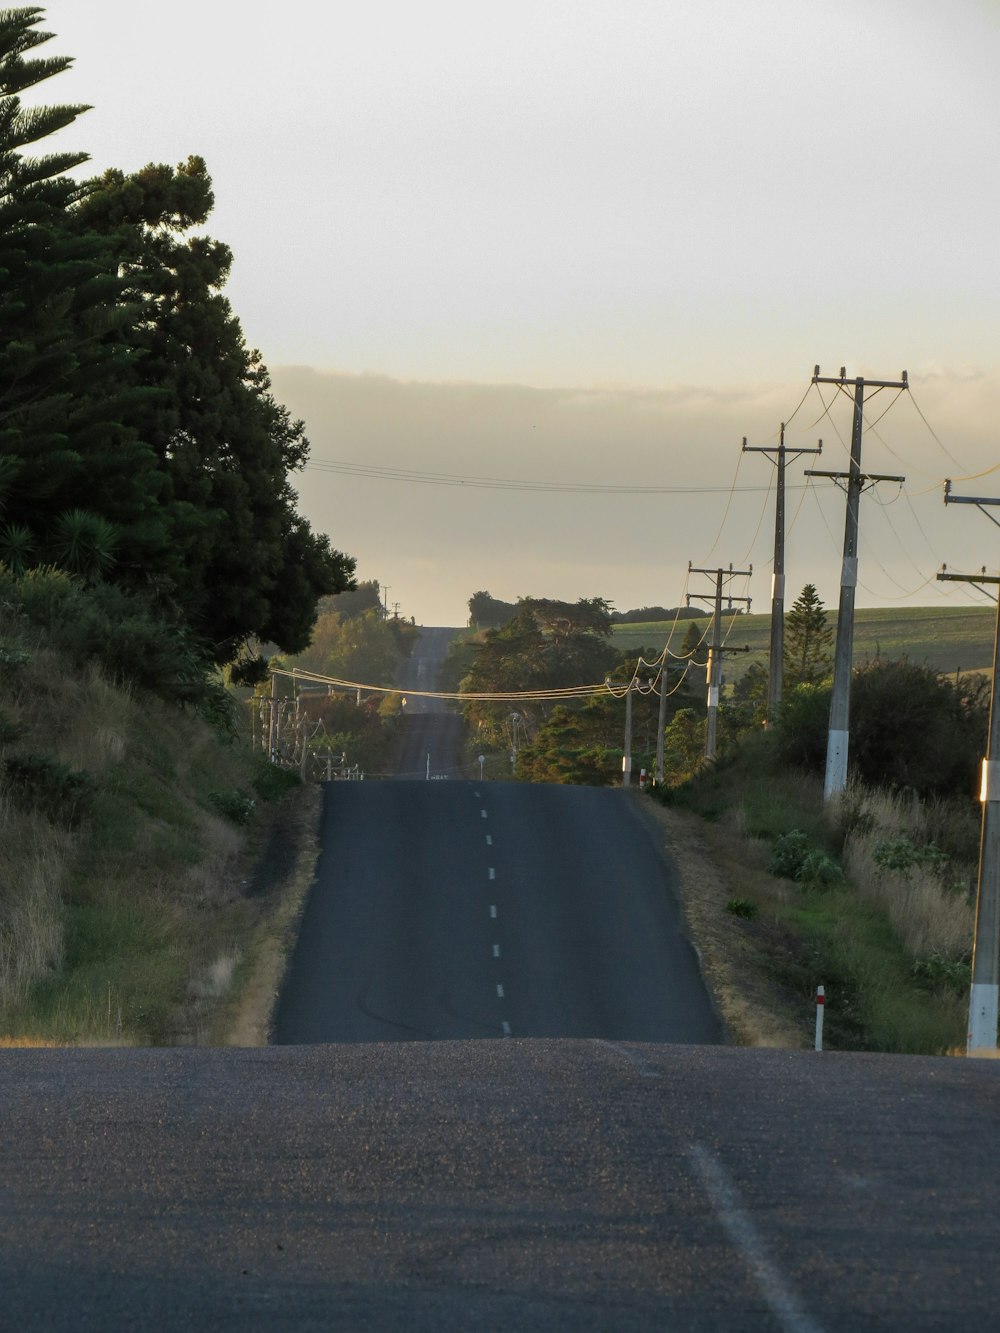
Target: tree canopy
(139,439)
(547,644)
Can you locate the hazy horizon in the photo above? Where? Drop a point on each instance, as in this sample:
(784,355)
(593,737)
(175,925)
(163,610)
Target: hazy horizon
(547,241)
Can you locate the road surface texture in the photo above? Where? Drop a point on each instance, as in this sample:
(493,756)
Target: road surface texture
(446,910)
(522,1185)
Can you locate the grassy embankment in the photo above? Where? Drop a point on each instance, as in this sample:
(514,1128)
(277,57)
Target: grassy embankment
(880,914)
(890,930)
(129,833)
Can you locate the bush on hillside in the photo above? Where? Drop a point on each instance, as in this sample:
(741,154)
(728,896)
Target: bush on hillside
(122,632)
(37,781)
(910,728)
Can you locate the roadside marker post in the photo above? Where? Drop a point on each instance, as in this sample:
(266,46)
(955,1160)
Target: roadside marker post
(820,1006)
(642,779)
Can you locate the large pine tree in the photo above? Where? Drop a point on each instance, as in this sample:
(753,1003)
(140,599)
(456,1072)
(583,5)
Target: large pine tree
(139,438)
(808,641)
(57,306)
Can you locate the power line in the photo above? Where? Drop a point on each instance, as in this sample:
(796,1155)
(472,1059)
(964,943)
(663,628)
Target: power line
(380,473)
(569,692)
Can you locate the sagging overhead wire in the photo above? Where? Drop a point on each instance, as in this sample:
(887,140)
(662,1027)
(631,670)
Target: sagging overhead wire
(337,682)
(942,446)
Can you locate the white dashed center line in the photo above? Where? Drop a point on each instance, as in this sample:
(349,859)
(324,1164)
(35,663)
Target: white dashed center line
(489,841)
(493,873)
(499,991)
(482,814)
(496,951)
(493,911)
(505,1028)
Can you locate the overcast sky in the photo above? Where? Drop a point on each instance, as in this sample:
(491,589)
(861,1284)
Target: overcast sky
(591,241)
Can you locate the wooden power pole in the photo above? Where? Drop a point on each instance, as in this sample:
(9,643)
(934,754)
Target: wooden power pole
(779,457)
(838,735)
(985,988)
(714,671)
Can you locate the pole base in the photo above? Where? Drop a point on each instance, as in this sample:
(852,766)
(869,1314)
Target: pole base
(982,1018)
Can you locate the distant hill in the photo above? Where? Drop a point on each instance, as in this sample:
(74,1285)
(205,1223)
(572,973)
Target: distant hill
(948,638)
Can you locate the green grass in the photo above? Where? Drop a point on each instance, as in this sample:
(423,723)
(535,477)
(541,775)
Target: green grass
(872,999)
(835,936)
(948,638)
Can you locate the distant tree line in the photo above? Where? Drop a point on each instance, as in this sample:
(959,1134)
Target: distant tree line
(911,727)
(140,442)
(489,612)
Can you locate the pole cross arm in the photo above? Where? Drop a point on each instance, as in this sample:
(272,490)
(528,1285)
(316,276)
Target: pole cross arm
(843,378)
(861,476)
(968,578)
(978,500)
(727,573)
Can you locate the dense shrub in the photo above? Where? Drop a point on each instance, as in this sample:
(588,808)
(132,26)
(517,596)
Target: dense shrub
(910,728)
(802,724)
(130,639)
(62,793)
(234,805)
(793,856)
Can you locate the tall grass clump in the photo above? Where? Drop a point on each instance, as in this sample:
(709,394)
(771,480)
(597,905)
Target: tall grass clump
(894,860)
(35,860)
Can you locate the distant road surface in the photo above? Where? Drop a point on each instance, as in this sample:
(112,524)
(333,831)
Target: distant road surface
(446,909)
(432,737)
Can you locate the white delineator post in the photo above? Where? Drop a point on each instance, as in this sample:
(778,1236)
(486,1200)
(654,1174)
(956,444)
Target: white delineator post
(820,1006)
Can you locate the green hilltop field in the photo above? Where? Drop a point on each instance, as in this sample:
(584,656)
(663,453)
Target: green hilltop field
(949,638)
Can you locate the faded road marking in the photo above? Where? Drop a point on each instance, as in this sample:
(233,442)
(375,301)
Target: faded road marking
(739,1227)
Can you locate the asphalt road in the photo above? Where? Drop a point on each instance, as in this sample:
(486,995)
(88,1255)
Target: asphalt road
(446,910)
(498,1185)
(432,731)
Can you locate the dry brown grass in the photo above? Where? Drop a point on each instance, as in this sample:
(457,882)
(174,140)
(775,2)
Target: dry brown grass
(716,863)
(35,858)
(929,915)
(247,1022)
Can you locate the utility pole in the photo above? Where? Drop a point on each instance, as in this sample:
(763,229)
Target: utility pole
(627,756)
(272,720)
(778,456)
(713,674)
(985,988)
(661,724)
(838,735)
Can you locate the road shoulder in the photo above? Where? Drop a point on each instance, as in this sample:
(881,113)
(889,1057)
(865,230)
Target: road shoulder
(753,1007)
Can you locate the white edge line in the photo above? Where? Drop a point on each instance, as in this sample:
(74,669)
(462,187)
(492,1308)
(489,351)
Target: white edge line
(738,1225)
